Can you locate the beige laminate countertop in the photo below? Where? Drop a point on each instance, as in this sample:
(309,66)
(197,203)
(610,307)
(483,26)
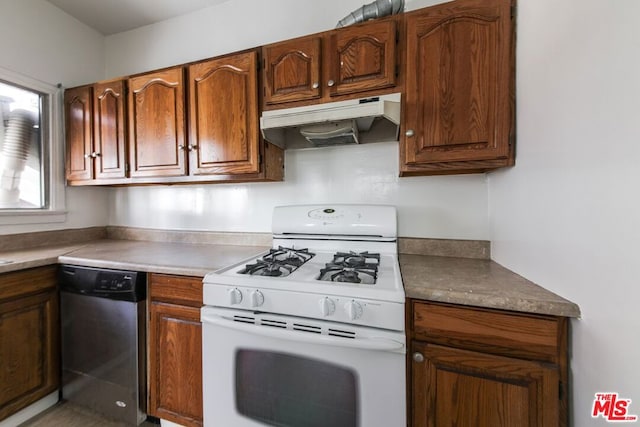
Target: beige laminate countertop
(473,282)
(158,257)
(480,283)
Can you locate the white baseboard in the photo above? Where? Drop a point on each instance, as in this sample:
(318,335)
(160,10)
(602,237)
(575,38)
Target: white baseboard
(31,410)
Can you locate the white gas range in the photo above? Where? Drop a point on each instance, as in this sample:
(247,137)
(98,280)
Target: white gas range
(310,333)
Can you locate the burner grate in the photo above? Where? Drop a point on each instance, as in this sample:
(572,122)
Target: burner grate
(352,267)
(278,262)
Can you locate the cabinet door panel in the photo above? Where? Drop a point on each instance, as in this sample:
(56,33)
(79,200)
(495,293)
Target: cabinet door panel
(156,124)
(458,89)
(175,363)
(29,351)
(109,129)
(292,71)
(224,136)
(77,103)
(363,58)
(453,387)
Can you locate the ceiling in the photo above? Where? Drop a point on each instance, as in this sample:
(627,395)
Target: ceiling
(114,16)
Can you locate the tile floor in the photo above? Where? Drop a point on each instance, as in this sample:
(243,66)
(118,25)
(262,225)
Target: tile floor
(69,415)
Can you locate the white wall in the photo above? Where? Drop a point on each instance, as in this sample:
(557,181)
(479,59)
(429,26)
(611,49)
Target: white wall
(439,207)
(42,42)
(568,215)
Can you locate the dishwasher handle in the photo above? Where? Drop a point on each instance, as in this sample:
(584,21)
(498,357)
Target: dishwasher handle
(367,343)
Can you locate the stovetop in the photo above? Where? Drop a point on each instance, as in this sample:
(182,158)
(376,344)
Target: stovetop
(335,263)
(314,276)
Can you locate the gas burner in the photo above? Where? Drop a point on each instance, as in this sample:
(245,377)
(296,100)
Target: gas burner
(278,262)
(357,259)
(341,272)
(289,256)
(268,268)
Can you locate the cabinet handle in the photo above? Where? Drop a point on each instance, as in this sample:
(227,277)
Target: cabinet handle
(409,133)
(192,147)
(418,357)
(330,83)
(315,85)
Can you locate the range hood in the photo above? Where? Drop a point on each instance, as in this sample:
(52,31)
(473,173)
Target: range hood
(373,119)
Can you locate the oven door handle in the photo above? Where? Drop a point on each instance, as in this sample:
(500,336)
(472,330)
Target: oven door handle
(380,344)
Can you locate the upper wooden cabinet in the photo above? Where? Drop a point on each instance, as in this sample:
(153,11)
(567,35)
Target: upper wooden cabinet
(95,131)
(157,124)
(223,115)
(346,61)
(458,108)
(78,124)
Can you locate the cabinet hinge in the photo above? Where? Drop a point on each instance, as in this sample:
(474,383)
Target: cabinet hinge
(397,36)
(126,168)
(514,10)
(397,70)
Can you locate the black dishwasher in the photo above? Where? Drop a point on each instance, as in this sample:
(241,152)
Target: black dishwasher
(103,338)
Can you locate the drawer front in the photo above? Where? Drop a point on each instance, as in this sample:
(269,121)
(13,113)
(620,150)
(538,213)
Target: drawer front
(490,331)
(183,290)
(25,282)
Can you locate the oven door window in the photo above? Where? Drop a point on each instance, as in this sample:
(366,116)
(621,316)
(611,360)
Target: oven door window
(282,389)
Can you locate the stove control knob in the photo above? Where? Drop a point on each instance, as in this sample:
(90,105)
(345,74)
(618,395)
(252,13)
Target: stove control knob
(354,310)
(327,306)
(235,296)
(257,298)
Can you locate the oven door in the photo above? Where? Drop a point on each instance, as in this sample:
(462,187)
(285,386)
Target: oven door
(264,369)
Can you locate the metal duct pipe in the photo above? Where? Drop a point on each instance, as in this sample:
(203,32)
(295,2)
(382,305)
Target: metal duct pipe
(15,150)
(376,9)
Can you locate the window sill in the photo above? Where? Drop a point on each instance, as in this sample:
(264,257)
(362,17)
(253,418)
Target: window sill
(17,217)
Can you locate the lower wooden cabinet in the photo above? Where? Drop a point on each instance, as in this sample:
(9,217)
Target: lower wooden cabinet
(175,349)
(486,368)
(29,338)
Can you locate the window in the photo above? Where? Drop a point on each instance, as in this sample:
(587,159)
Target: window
(31,183)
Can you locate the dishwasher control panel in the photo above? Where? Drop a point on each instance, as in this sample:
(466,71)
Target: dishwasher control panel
(105,283)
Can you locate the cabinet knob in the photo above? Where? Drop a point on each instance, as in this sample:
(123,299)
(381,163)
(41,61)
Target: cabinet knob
(94,154)
(181,147)
(192,147)
(315,85)
(86,156)
(409,133)
(330,83)
(418,357)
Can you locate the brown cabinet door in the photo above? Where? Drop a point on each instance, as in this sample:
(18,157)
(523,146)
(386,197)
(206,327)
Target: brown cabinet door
(454,387)
(459,70)
(156,124)
(223,115)
(109,129)
(175,363)
(292,70)
(362,58)
(79,138)
(29,350)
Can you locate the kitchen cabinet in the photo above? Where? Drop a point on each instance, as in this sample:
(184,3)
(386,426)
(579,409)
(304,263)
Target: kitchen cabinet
(29,338)
(459,98)
(157,124)
(473,366)
(95,132)
(342,62)
(224,136)
(175,349)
